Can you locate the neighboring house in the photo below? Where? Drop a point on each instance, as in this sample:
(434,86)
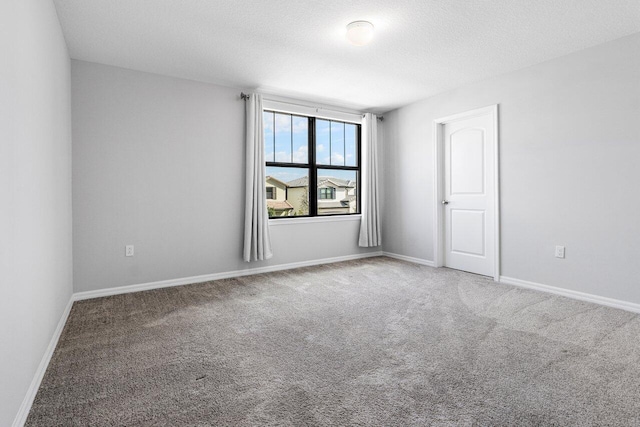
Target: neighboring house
(299,195)
(334,195)
(277,203)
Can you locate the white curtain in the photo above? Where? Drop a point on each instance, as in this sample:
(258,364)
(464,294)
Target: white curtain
(370,224)
(257,240)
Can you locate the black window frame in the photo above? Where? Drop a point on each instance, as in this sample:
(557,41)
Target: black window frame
(313,167)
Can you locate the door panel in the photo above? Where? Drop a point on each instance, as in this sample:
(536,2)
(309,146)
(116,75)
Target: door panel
(467,232)
(469,192)
(467,162)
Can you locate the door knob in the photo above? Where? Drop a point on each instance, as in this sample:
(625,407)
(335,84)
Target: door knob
(445,202)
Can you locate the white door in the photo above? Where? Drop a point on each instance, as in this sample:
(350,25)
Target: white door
(469,194)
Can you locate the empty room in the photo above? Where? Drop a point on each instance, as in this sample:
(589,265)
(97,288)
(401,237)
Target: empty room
(303,213)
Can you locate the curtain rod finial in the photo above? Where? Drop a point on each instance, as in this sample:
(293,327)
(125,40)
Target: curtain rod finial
(244,96)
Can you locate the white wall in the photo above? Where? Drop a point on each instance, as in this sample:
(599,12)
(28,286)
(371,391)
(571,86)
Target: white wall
(569,165)
(158,163)
(35,191)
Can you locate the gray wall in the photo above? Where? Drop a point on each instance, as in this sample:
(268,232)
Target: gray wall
(35,192)
(158,162)
(569,165)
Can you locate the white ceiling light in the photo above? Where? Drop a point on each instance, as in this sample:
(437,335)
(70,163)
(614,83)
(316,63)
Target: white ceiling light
(360,33)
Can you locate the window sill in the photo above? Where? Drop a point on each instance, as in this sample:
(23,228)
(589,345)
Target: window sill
(314,220)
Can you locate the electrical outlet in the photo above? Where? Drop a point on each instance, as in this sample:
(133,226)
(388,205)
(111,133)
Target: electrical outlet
(559,251)
(128,250)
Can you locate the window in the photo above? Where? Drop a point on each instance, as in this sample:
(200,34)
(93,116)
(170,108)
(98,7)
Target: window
(326,193)
(271,193)
(308,155)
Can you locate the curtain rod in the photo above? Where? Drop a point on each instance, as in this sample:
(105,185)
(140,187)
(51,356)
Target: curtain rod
(245,96)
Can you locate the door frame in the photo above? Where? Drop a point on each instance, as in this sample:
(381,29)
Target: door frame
(438,191)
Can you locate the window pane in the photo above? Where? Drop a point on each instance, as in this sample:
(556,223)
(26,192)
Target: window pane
(291,190)
(337,192)
(350,138)
(271,191)
(328,193)
(283,137)
(323,145)
(300,139)
(267,119)
(337,144)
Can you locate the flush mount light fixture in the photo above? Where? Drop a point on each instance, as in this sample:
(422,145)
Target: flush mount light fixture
(360,33)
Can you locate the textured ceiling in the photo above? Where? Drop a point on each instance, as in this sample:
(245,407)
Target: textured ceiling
(296,48)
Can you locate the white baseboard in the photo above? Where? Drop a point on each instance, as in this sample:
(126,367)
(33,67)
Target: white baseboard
(582,296)
(410,259)
(25,407)
(215,276)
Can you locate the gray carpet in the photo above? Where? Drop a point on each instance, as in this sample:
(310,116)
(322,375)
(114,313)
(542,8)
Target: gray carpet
(371,342)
